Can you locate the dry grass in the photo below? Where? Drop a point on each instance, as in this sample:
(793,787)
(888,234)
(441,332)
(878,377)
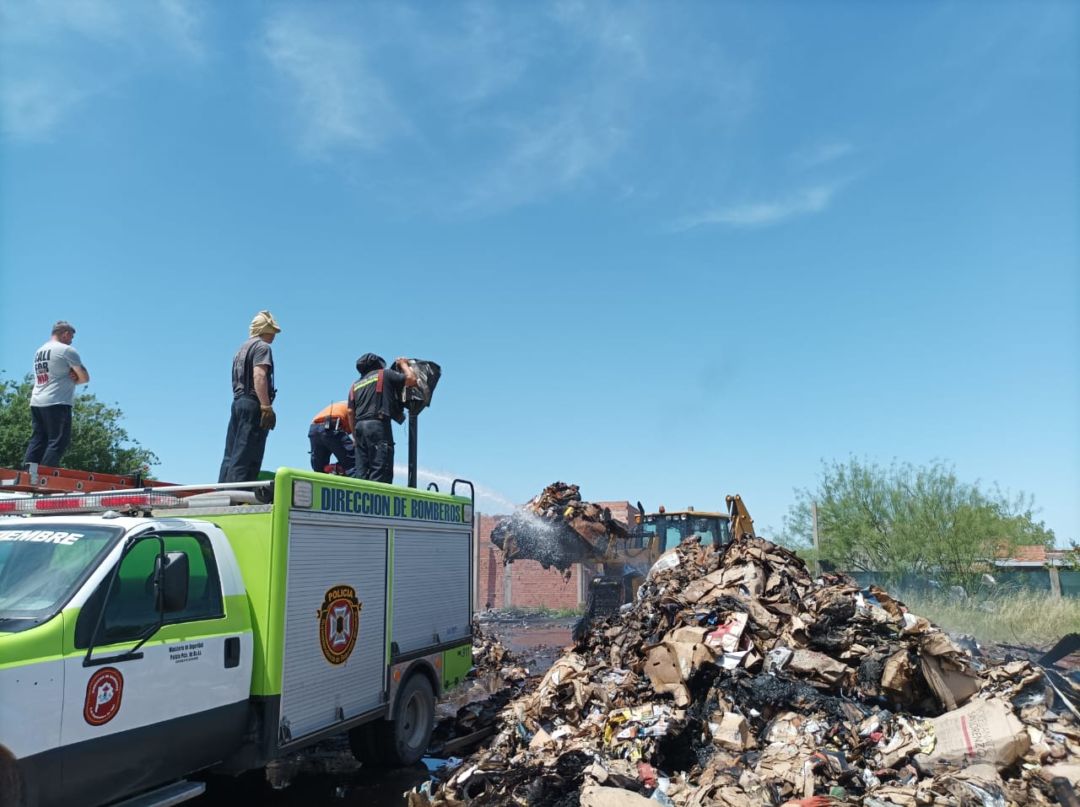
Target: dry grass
(1028,619)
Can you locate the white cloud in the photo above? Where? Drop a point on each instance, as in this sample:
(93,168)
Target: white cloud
(557,150)
(566,143)
(41,20)
(487,500)
(821,154)
(485,56)
(31,109)
(763,214)
(487,107)
(339,100)
(182,25)
(617,33)
(56,55)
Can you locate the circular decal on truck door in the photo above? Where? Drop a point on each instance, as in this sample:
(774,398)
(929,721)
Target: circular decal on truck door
(103,693)
(339,622)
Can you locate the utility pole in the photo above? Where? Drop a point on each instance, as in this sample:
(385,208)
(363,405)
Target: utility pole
(817,542)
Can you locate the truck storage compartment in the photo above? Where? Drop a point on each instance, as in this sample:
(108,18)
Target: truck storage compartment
(431,587)
(335,617)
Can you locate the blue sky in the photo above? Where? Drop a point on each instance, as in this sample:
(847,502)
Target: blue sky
(664,251)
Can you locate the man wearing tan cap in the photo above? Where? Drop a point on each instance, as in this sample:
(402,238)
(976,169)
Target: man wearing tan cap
(57,370)
(252,415)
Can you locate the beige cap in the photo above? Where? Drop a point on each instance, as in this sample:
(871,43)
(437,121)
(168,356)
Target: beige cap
(264,322)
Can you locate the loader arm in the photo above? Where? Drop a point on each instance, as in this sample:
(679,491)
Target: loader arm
(741,523)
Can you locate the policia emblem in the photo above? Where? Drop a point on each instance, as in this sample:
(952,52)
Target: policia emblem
(339,622)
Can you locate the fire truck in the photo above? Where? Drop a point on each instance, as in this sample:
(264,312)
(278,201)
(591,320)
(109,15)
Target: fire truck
(149,632)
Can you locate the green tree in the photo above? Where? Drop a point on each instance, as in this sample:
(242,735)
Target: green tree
(98,440)
(906,519)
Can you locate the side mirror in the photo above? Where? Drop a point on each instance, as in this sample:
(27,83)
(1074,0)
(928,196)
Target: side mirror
(172,577)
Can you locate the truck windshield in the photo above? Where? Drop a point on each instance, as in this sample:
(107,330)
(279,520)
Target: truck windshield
(41,565)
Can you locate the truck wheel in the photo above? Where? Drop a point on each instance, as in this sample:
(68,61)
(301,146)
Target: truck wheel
(406,737)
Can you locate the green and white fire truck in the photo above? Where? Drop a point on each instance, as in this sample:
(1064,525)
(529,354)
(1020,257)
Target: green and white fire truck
(146,635)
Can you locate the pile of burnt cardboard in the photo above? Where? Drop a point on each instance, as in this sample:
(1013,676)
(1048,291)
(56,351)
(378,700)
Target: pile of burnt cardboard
(736,678)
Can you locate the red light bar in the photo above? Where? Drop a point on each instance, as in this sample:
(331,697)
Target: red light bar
(60,503)
(137,500)
(94,502)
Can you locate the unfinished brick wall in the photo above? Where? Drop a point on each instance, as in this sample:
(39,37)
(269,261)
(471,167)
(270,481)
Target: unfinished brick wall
(530,585)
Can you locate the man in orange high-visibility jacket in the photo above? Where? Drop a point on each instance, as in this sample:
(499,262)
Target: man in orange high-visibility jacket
(331,433)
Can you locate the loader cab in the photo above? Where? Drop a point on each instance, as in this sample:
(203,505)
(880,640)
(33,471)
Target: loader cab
(670,529)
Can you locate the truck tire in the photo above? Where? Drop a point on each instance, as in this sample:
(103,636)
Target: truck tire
(405,738)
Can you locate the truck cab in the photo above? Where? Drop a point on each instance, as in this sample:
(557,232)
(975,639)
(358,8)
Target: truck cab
(84,601)
(223,629)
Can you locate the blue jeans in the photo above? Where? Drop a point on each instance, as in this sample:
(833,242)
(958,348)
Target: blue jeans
(325,442)
(51,434)
(245,442)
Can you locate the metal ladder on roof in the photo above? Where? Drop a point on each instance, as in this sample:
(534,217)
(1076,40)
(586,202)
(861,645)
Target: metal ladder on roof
(35,478)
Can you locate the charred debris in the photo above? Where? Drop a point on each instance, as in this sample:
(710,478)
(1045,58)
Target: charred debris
(558,529)
(736,678)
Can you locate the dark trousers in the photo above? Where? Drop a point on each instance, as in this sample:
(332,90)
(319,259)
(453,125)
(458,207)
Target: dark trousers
(325,442)
(245,442)
(51,434)
(374,451)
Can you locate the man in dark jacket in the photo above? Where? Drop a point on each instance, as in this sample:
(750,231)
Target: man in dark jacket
(374,399)
(252,416)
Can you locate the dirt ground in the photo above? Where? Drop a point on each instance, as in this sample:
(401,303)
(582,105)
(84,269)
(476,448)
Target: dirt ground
(328,774)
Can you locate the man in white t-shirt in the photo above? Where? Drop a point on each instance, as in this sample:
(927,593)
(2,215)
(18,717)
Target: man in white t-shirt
(57,369)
